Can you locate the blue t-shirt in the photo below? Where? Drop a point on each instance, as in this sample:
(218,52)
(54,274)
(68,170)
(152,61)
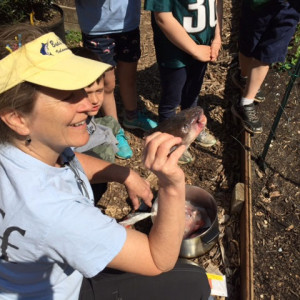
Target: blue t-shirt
(97,17)
(51,235)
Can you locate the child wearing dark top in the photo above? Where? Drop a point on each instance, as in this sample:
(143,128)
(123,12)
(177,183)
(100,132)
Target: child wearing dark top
(187,35)
(266,29)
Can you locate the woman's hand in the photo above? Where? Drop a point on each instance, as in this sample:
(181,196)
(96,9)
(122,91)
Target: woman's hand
(137,187)
(161,161)
(164,165)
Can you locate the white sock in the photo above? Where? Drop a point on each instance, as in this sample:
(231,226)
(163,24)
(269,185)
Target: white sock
(246,101)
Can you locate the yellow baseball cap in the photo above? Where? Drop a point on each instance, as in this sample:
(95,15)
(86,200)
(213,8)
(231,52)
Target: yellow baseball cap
(47,61)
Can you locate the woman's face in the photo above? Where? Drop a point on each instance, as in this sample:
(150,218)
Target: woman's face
(58,119)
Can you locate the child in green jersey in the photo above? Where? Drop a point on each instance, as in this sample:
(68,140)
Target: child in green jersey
(187,35)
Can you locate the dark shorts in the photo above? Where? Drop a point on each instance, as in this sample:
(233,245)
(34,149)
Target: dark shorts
(266,33)
(183,282)
(111,48)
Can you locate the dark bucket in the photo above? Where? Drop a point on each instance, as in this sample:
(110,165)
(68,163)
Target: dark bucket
(58,28)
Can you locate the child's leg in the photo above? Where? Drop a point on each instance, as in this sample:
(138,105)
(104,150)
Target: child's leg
(109,103)
(128,53)
(193,84)
(244,63)
(126,72)
(257,72)
(172,82)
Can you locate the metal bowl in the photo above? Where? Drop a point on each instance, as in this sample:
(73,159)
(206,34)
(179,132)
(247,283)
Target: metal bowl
(200,243)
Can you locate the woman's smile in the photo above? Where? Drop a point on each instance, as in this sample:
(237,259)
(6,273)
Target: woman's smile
(59,120)
(82,123)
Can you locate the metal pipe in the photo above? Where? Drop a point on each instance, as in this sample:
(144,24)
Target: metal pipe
(261,159)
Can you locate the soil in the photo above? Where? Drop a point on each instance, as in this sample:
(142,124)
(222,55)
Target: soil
(275,190)
(276,195)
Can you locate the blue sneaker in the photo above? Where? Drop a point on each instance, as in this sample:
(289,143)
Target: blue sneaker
(125,151)
(141,122)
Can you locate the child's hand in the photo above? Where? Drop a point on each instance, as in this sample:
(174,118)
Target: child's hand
(202,53)
(215,48)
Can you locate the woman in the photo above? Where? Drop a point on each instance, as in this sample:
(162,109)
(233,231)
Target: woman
(53,240)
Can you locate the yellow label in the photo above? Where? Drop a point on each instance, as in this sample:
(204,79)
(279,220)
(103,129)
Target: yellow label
(214,276)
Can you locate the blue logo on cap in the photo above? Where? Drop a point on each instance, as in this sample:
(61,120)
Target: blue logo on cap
(44,49)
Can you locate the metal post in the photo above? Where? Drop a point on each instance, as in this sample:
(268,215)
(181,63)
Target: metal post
(261,159)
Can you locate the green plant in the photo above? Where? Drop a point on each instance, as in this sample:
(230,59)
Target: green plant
(293,52)
(15,11)
(73,38)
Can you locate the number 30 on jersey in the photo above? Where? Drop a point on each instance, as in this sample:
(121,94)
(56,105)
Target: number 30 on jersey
(189,23)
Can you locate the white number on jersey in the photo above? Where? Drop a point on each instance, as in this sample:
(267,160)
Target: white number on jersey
(201,16)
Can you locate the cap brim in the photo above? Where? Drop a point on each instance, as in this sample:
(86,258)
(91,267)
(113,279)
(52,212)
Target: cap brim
(71,73)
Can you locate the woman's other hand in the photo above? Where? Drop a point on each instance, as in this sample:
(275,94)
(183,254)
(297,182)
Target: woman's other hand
(137,187)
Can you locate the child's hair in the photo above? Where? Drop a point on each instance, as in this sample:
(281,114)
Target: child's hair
(21,97)
(87,53)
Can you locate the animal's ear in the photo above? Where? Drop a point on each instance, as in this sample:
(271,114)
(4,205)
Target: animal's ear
(15,121)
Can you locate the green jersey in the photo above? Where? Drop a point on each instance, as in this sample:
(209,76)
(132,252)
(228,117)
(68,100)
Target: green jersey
(198,18)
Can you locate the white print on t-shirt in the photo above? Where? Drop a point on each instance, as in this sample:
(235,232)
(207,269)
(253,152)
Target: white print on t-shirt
(5,238)
(201,16)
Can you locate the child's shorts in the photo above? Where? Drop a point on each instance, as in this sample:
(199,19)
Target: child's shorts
(266,33)
(123,46)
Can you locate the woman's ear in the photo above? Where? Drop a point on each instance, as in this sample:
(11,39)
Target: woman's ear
(15,121)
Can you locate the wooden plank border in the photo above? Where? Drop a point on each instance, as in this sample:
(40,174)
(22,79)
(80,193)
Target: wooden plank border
(246,233)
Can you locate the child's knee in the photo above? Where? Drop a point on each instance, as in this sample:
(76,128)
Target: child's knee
(109,89)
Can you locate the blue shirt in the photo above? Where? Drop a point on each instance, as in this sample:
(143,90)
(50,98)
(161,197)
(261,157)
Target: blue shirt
(51,235)
(97,17)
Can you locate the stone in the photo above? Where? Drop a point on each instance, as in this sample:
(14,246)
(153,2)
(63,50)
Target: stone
(238,198)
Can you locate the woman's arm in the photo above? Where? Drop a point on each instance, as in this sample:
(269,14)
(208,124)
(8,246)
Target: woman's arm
(159,251)
(98,170)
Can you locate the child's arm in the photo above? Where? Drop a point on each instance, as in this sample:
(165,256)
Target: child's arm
(180,38)
(217,41)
